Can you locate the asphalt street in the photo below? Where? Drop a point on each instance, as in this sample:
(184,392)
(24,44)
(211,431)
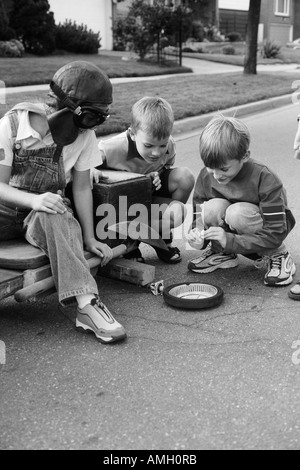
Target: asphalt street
(224,378)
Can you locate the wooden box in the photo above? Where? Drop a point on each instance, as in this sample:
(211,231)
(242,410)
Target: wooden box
(118,198)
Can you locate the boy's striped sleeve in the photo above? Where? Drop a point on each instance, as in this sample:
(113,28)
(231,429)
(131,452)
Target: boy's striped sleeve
(273,214)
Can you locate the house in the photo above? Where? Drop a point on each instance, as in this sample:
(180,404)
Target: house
(279,19)
(95,14)
(233,18)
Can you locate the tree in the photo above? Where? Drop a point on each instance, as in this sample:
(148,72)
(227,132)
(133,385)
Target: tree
(34,25)
(143,25)
(6,32)
(251,40)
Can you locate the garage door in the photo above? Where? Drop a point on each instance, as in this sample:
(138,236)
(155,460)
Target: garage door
(280,33)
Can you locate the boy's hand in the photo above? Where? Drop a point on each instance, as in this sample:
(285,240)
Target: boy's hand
(216,233)
(100,249)
(97,176)
(297,154)
(156,180)
(196,238)
(48,202)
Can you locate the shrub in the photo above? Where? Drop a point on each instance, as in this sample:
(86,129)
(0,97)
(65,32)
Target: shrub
(76,38)
(13,48)
(213,34)
(34,25)
(270,49)
(198,31)
(228,50)
(234,36)
(188,49)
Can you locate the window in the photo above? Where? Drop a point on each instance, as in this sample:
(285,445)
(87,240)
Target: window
(282,7)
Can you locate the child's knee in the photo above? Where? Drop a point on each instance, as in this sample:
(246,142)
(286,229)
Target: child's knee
(187,179)
(175,214)
(183,179)
(213,212)
(243,217)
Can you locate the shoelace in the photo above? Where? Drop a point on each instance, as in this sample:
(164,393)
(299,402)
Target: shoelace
(97,301)
(275,262)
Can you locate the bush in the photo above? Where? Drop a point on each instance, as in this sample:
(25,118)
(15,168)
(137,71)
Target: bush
(188,49)
(228,50)
(34,25)
(234,37)
(76,38)
(13,48)
(198,31)
(270,49)
(213,34)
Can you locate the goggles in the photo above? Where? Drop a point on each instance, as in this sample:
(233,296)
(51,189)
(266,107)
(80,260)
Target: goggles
(84,116)
(87,117)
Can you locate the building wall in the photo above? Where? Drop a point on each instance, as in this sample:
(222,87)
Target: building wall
(242,5)
(96,14)
(276,27)
(233,21)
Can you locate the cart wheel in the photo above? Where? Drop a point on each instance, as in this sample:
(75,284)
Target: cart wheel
(193,295)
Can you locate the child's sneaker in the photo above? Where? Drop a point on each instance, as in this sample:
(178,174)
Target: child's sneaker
(96,318)
(281,269)
(209,261)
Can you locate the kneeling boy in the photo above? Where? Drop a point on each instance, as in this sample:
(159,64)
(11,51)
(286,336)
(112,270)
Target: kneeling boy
(242,203)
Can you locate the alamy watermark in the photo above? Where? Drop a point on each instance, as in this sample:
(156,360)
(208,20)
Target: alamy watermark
(139,221)
(2,92)
(296,94)
(2,353)
(296,353)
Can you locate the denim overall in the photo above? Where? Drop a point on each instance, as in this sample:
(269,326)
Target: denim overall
(59,236)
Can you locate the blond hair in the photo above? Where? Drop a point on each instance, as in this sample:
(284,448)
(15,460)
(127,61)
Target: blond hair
(154,116)
(222,139)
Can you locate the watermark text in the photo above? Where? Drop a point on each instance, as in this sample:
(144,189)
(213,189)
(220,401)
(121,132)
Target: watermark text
(2,353)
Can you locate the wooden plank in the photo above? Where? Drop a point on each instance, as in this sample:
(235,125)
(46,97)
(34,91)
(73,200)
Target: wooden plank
(10,282)
(31,276)
(19,254)
(129,271)
(46,284)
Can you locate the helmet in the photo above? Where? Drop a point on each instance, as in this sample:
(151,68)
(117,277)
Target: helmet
(82,90)
(84,82)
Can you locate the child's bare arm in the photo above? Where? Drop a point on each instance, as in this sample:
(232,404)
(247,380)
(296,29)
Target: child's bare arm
(47,202)
(84,206)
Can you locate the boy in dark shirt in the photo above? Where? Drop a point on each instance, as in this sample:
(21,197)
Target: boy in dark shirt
(242,204)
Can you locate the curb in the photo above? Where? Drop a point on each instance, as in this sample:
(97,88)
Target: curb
(190,125)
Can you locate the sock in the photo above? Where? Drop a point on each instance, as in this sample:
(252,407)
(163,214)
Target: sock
(84,299)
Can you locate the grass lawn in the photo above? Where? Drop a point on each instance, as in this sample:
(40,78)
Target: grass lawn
(213,53)
(32,70)
(190,95)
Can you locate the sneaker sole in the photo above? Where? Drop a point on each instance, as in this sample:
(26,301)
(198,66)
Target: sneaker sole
(294,296)
(285,282)
(226,265)
(82,328)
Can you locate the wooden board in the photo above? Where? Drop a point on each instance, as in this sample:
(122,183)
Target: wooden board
(19,254)
(10,282)
(31,283)
(129,271)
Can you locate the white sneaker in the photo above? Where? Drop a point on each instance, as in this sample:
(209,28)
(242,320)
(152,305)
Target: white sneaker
(209,261)
(96,318)
(281,269)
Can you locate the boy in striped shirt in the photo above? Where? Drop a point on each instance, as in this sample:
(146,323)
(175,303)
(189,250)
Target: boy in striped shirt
(240,206)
